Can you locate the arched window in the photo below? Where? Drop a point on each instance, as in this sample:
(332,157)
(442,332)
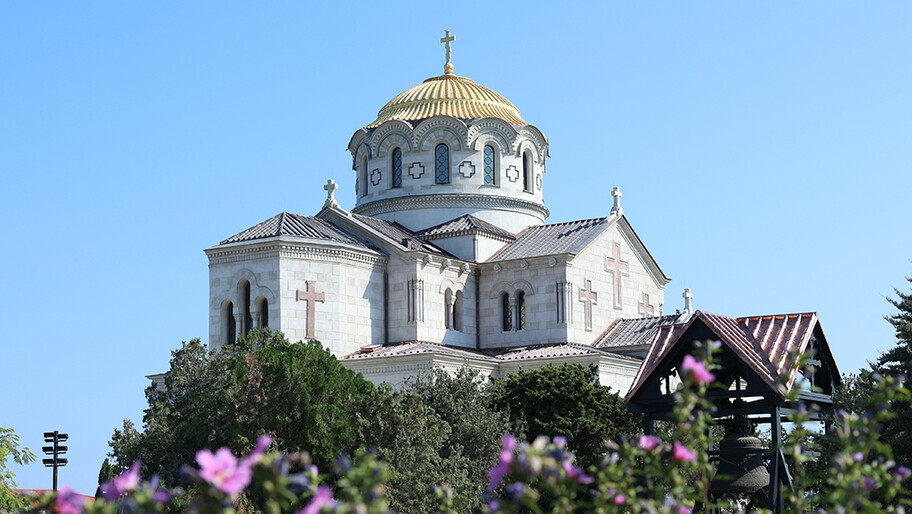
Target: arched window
(363,177)
(448,309)
(457,312)
(263,310)
(490,172)
(244,307)
(229,330)
(527,172)
(442,164)
(521,310)
(397,167)
(505,312)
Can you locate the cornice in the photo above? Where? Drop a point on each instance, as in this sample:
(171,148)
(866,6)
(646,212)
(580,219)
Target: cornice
(449,200)
(279,247)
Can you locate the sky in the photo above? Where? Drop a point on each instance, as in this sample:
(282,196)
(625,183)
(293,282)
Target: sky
(763,151)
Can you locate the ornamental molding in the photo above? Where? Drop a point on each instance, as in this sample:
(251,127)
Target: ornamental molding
(383,136)
(474,231)
(283,249)
(451,200)
(435,126)
(467,169)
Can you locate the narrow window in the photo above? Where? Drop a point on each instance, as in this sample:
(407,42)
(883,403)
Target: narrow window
(363,178)
(506,312)
(527,172)
(442,164)
(229,330)
(397,167)
(263,310)
(521,310)
(457,312)
(244,319)
(489,172)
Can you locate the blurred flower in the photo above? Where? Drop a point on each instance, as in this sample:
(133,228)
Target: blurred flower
(222,470)
(619,499)
(493,506)
(698,369)
(560,441)
(322,497)
(902,472)
(122,484)
(259,449)
(682,454)
(649,442)
(869,484)
(858,456)
(68,502)
(498,472)
(515,490)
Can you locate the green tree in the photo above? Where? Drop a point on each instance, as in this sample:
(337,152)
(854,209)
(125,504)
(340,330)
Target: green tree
(897,362)
(10,449)
(565,400)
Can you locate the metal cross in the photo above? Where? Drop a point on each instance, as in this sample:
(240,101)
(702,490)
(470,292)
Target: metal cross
(448,67)
(311,296)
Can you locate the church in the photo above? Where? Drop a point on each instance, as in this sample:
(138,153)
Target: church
(446,259)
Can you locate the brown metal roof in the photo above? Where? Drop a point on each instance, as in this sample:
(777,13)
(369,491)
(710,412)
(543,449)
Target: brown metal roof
(765,343)
(295,225)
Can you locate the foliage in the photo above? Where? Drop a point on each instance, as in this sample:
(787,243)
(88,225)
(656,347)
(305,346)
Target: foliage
(10,450)
(568,401)
(897,362)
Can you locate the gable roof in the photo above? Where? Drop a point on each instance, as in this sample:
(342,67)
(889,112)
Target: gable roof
(405,238)
(557,238)
(465,224)
(294,225)
(765,343)
(633,331)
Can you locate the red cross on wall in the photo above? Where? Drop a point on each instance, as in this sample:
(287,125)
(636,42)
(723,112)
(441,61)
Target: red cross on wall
(588,296)
(311,296)
(618,269)
(644,307)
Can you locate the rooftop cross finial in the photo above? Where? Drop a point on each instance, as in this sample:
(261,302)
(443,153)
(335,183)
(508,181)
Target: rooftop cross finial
(688,298)
(616,193)
(330,188)
(448,67)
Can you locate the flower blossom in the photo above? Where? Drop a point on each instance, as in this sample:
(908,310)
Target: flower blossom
(649,442)
(902,472)
(682,454)
(322,497)
(122,484)
(576,473)
(869,484)
(498,472)
(698,369)
(223,470)
(68,502)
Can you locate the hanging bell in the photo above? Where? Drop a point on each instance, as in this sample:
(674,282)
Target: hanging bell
(740,469)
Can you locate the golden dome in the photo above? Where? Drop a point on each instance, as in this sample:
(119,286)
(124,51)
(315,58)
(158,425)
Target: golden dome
(448,95)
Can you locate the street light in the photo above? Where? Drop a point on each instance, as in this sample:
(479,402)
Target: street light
(55,451)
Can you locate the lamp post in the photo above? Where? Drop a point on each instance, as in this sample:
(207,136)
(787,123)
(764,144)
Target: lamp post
(55,451)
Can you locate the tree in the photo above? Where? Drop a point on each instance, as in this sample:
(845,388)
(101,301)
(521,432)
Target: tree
(565,400)
(10,501)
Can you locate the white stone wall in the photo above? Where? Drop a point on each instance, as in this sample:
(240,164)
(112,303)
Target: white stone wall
(438,276)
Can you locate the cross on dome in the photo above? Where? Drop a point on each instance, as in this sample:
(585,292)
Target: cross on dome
(448,67)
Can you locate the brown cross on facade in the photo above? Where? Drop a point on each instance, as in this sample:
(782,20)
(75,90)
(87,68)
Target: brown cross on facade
(588,296)
(311,296)
(618,269)
(644,307)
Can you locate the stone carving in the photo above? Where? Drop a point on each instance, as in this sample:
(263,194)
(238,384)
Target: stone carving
(512,173)
(497,267)
(467,169)
(618,269)
(552,261)
(330,188)
(310,295)
(524,264)
(375,177)
(416,170)
(588,297)
(644,307)
(538,181)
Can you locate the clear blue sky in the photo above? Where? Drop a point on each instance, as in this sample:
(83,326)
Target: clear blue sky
(763,150)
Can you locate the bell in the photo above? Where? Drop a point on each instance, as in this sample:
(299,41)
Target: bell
(740,469)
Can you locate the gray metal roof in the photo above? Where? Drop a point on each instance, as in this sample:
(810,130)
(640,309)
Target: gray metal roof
(399,234)
(465,223)
(295,225)
(558,238)
(633,332)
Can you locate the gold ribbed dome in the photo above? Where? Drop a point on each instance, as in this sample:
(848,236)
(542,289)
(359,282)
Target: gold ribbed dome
(448,95)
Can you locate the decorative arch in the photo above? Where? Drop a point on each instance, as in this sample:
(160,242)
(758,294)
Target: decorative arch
(527,145)
(491,128)
(255,287)
(357,139)
(362,153)
(510,287)
(538,140)
(447,284)
(261,312)
(227,323)
(379,140)
(393,140)
(440,128)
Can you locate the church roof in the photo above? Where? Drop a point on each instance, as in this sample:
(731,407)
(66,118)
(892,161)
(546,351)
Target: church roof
(557,238)
(538,351)
(543,351)
(467,224)
(399,234)
(295,225)
(448,95)
(633,331)
(412,348)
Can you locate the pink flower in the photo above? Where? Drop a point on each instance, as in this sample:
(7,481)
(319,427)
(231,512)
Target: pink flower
(698,369)
(258,451)
(68,502)
(649,442)
(682,454)
(122,484)
(684,510)
(222,470)
(498,472)
(576,473)
(322,498)
(619,499)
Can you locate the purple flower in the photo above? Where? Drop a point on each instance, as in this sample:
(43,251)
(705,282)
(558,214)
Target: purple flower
(683,509)
(122,484)
(259,449)
(858,456)
(902,472)
(698,369)
(322,498)
(222,470)
(498,472)
(869,484)
(560,441)
(68,502)
(682,454)
(649,442)
(493,506)
(576,473)
(515,490)
(619,499)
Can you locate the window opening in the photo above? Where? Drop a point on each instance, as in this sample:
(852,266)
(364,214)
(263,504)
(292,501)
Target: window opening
(442,164)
